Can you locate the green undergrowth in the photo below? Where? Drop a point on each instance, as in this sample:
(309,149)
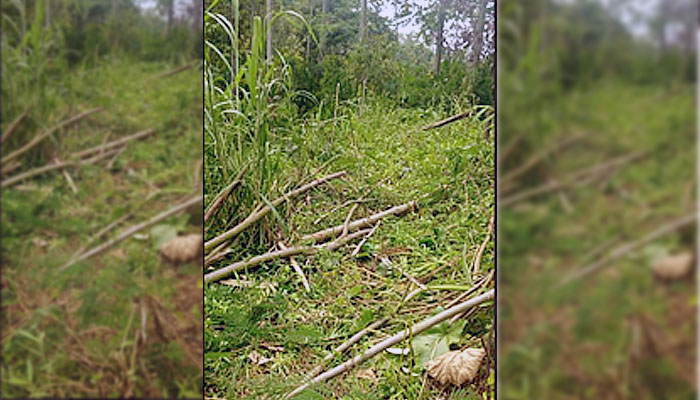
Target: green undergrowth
(589,338)
(80,331)
(264,331)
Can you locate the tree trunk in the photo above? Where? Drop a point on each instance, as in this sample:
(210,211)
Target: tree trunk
(269,30)
(48,14)
(325,9)
(308,36)
(198,15)
(439,39)
(479,32)
(171,12)
(363,21)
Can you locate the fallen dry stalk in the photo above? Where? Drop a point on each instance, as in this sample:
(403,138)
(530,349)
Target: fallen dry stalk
(176,70)
(112,144)
(364,239)
(386,343)
(273,255)
(14,124)
(297,269)
(51,167)
(572,179)
(354,339)
(537,158)
(255,216)
(134,229)
(38,138)
(626,248)
(360,223)
(446,121)
(224,193)
(480,252)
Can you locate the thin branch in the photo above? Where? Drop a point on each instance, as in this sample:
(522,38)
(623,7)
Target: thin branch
(480,252)
(354,339)
(537,158)
(51,167)
(176,70)
(134,229)
(446,121)
(360,223)
(347,220)
(273,255)
(14,124)
(38,138)
(224,193)
(626,248)
(574,178)
(399,337)
(510,148)
(99,234)
(255,216)
(347,203)
(112,144)
(364,239)
(297,269)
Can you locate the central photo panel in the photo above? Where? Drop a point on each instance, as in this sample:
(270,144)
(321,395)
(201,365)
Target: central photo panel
(349,193)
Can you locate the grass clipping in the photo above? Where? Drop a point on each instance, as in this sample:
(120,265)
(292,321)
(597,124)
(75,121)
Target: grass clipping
(456,367)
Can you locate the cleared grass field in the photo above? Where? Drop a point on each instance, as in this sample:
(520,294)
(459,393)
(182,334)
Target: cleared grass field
(122,323)
(264,331)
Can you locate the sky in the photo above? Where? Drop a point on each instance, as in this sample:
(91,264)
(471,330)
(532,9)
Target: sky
(388,11)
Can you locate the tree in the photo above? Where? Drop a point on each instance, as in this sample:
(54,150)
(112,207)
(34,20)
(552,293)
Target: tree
(478,38)
(363,21)
(269,30)
(439,36)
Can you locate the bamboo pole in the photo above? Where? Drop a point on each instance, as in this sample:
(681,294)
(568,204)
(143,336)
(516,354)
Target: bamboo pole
(626,248)
(572,179)
(51,167)
(134,229)
(14,125)
(360,223)
(224,193)
(399,337)
(446,121)
(176,70)
(38,138)
(273,255)
(255,216)
(115,143)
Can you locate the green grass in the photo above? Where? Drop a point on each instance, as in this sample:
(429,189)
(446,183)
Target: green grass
(74,332)
(389,161)
(579,340)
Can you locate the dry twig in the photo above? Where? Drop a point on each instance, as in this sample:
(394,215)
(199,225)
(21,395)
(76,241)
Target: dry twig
(112,144)
(360,223)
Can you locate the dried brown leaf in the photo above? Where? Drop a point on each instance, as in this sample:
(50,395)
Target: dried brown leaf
(183,249)
(673,267)
(456,367)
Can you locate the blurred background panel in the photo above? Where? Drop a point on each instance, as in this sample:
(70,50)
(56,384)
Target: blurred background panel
(597,199)
(101,171)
